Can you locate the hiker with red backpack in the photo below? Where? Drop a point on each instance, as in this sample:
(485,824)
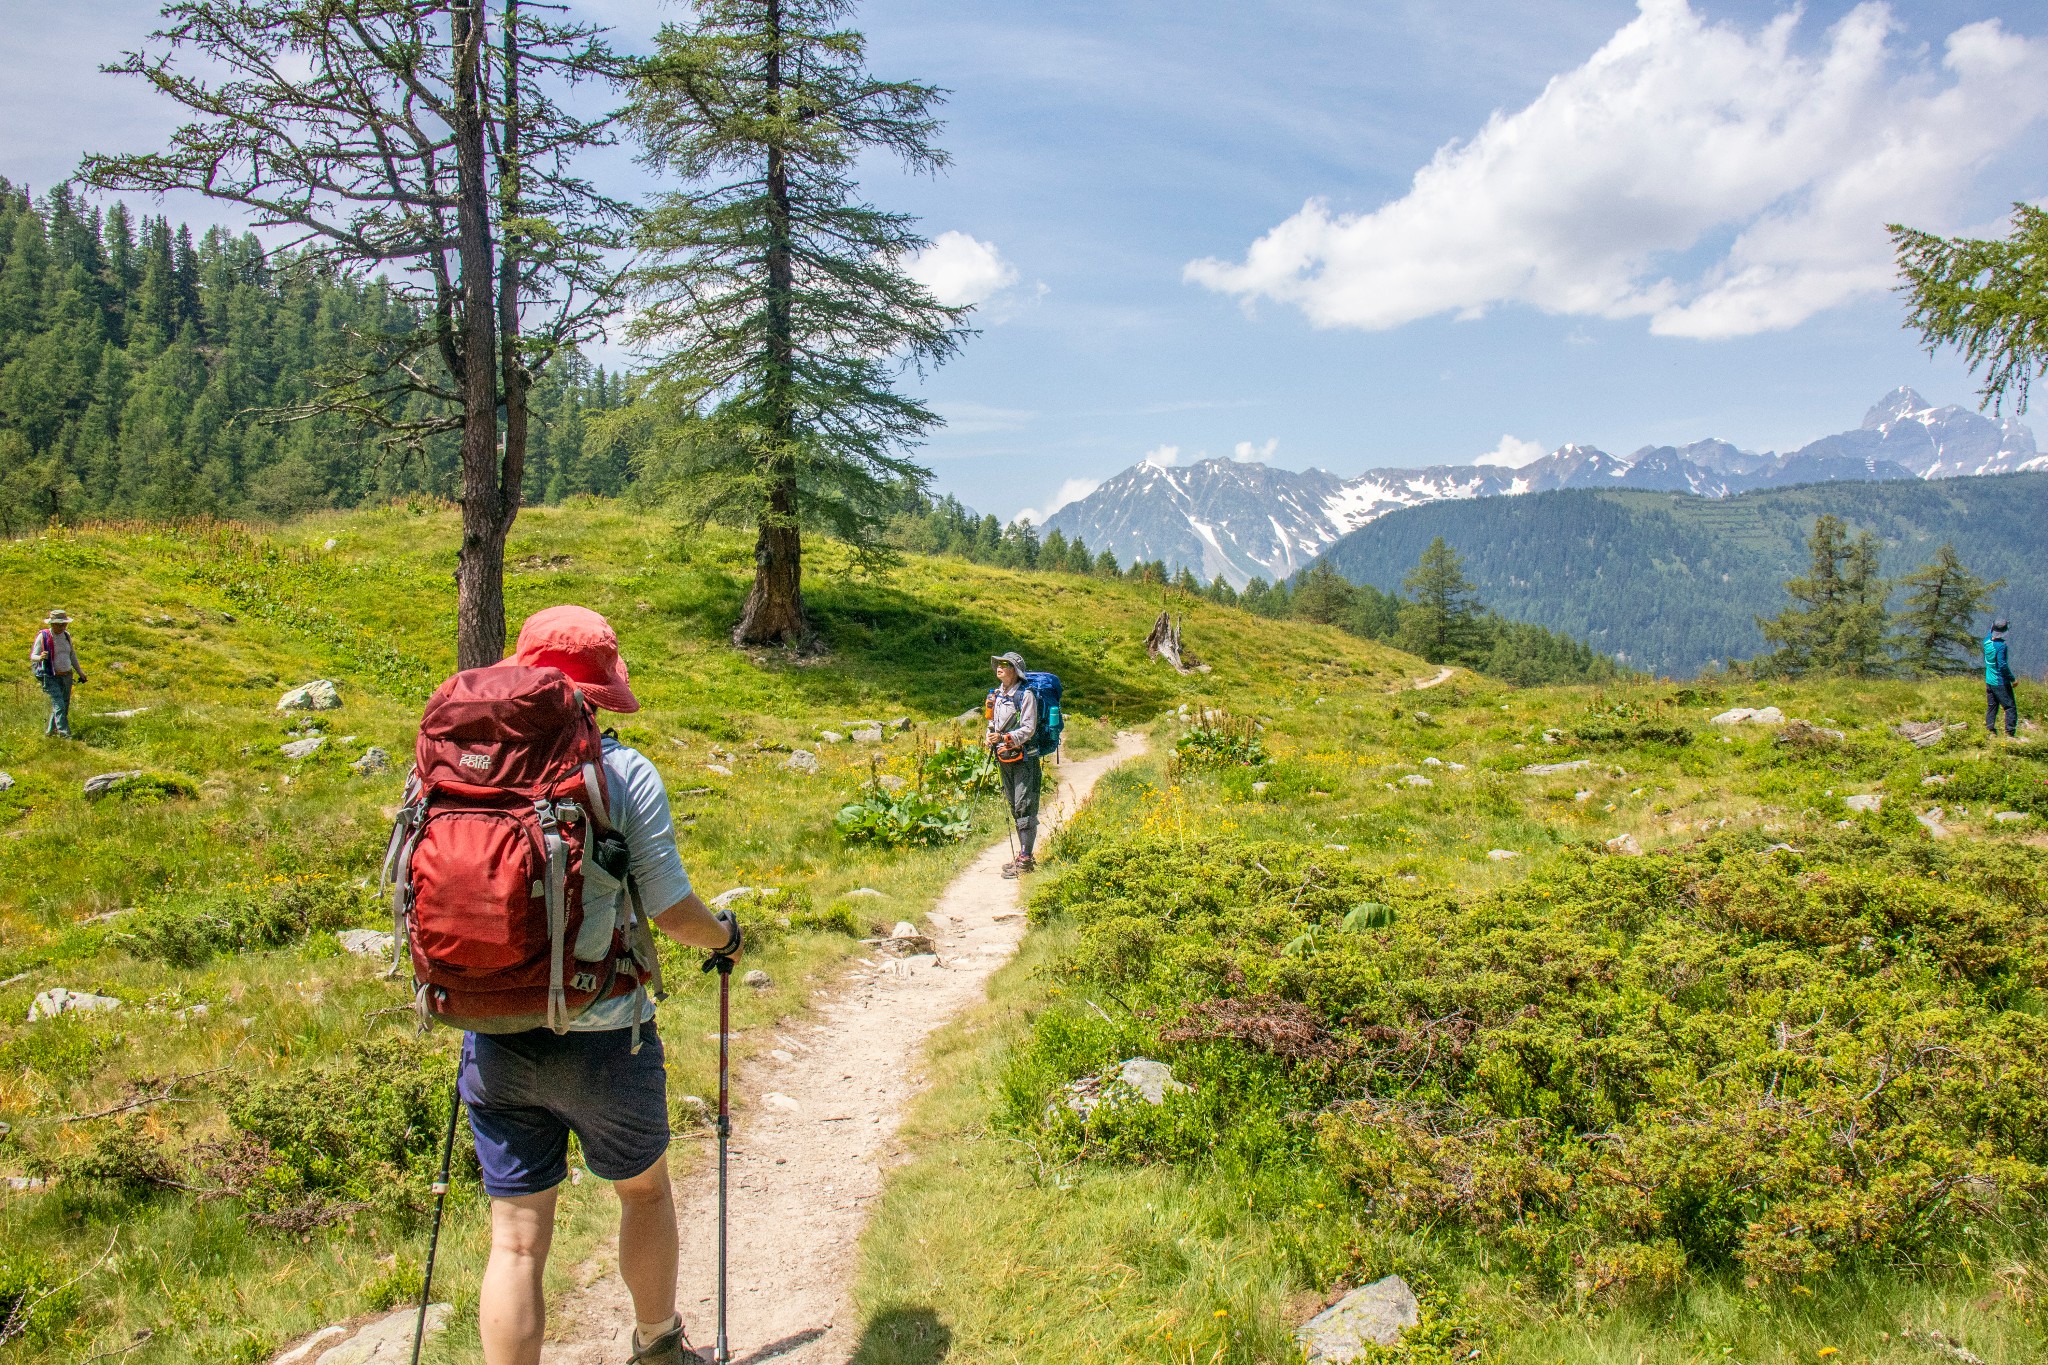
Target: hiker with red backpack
(1023,714)
(53,658)
(531,860)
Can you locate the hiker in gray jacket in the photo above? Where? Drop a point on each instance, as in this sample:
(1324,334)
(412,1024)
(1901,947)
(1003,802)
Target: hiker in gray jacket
(53,658)
(1012,735)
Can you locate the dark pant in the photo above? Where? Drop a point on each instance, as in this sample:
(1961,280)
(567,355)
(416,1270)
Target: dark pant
(1020,789)
(58,686)
(1995,698)
(527,1092)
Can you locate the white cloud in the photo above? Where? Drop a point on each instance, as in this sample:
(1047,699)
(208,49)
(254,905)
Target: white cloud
(1259,454)
(1677,133)
(1512,453)
(961,271)
(1163,457)
(1073,490)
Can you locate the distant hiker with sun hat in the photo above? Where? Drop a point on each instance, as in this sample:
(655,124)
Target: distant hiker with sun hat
(598,1073)
(53,658)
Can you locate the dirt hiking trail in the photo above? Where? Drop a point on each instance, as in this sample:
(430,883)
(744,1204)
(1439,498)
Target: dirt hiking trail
(814,1127)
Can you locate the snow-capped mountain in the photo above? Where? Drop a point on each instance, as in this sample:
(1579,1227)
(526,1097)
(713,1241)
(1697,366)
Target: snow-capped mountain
(1244,520)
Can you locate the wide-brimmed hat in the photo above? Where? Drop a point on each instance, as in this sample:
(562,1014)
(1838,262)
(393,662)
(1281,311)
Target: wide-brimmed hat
(583,645)
(59,617)
(1013,659)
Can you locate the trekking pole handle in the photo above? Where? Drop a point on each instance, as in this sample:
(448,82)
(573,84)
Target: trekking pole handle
(721,957)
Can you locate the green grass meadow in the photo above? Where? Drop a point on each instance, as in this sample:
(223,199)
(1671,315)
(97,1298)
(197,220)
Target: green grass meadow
(210,917)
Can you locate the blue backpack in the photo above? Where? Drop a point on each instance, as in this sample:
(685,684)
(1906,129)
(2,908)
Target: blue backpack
(1045,687)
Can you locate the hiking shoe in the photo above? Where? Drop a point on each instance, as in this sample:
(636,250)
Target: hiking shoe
(670,1348)
(1020,867)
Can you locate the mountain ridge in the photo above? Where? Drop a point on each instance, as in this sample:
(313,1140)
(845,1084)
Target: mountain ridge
(1242,520)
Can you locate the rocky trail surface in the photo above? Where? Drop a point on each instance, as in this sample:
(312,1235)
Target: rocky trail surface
(814,1130)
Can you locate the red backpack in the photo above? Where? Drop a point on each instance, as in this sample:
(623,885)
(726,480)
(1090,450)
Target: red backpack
(510,886)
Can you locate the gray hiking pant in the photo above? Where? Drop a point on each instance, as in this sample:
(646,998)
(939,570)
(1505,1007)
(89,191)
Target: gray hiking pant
(1996,699)
(1020,788)
(58,687)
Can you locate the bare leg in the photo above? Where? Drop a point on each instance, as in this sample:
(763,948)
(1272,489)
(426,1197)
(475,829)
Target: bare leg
(647,1242)
(511,1311)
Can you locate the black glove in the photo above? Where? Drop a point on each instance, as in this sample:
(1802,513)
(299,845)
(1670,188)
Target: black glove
(732,929)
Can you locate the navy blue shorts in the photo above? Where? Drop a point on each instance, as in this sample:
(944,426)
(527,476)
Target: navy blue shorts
(527,1092)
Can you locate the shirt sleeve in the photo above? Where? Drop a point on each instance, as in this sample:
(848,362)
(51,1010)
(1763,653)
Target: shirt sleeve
(640,813)
(36,652)
(1027,712)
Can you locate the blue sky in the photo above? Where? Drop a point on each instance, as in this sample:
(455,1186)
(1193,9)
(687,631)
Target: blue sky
(1638,225)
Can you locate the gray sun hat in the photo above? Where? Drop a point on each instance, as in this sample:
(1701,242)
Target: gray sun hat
(1999,626)
(1013,659)
(59,617)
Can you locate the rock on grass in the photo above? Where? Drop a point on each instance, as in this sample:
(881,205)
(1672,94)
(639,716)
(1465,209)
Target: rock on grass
(1349,1328)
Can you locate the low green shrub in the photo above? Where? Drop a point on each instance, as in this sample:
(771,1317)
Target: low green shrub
(833,919)
(150,787)
(37,1302)
(240,918)
(1216,740)
(909,817)
(1616,1072)
(960,768)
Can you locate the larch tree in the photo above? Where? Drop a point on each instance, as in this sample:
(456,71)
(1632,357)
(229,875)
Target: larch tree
(1988,299)
(776,303)
(427,138)
(1935,631)
(1441,619)
(1837,619)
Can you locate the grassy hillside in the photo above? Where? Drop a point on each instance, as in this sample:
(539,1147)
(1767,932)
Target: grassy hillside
(1676,581)
(1772,1089)
(282,1183)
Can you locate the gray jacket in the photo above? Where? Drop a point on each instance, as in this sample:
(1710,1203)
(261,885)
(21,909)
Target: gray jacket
(1015,711)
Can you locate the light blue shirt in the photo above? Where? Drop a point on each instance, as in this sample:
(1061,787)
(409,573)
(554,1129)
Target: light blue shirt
(640,813)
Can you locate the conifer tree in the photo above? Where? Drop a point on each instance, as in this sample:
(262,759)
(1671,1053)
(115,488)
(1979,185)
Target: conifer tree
(1936,630)
(427,136)
(781,298)
(1989,299)
(1837,619)
(1441,620)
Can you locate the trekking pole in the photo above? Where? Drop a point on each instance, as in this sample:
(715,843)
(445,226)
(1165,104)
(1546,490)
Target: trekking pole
(722,964)
(419,1327)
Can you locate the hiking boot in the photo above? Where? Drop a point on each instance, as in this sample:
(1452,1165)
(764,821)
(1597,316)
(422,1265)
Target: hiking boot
(670,1348)
(1020,867)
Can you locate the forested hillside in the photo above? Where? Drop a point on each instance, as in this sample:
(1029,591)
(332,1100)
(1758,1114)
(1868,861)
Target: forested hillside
(1674,582)
(141,368)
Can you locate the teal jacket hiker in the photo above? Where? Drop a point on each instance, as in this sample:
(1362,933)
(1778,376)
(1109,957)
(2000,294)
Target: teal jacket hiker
(1997,666)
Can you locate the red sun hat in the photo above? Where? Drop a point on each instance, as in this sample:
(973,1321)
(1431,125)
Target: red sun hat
(583,645)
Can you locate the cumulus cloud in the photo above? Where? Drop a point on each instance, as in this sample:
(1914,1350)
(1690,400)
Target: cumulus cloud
(1512,453)
(961,271)
(1256,454)
(1163,457)
(1073,490)
(1679,136)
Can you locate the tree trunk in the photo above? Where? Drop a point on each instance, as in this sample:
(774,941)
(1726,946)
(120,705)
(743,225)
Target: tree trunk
(774,613)
(486,513)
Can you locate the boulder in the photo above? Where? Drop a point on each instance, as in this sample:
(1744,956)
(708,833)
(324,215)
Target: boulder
(900,723)
(1625,844)
(373,761)
(724,899)
(385,1340)
(62,1000)
(1349,1328)
(831,737)
(318,695)
(758,979)
(1935,780)
(1259,788)
(1868,803)
(801,761)
(130,714)
(1930,820)
(718,770)
(1749,715)
(1549,769)
(1432,762)
(1135,1078)
(864,892)
(1501,855)
(890,782)
(1417,780)
(302,748)
(868,734)
(1583,794)
(972,715)
(366,942)
(96,787)
(2007,817)
(1923,733)
(905,929)
(1806,732)
(6,781)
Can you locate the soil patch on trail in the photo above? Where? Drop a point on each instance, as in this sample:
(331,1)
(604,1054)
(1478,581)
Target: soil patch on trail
(814,1128)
